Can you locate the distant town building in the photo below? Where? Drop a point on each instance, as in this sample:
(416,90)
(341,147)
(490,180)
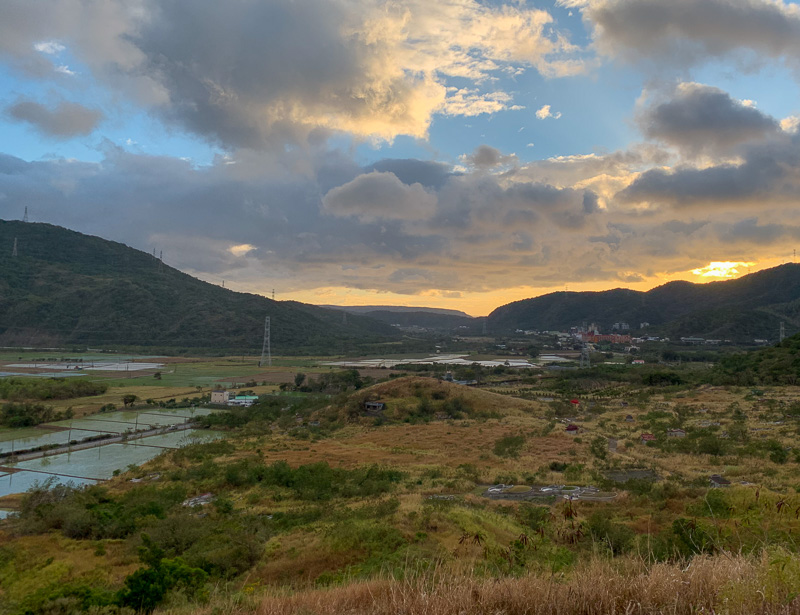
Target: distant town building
(644,325)
(620,326)
(676,433)
(629,418)
(219,397)
(693,340)
(243,401)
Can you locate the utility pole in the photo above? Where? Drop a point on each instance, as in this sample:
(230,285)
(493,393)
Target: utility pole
(266,349)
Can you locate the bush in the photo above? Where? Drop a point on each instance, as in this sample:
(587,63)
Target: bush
(509,446)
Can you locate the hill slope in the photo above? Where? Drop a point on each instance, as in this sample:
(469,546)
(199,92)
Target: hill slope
(64,287)
(751,306)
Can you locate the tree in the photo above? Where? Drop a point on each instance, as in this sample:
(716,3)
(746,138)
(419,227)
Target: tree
(599,447)
(147,587)
(129,400)
(299,379)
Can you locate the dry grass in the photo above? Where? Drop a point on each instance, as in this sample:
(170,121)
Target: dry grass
(733,585)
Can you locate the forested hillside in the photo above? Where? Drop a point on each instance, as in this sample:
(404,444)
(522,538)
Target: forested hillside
(752,306)
(66,288)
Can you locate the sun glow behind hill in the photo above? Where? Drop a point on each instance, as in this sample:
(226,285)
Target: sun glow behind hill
(722,269)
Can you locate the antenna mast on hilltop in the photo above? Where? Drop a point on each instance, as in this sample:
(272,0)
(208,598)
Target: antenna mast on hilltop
(25,216)
(266,349)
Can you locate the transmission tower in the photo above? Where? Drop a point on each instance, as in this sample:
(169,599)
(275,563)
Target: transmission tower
(25,217)
(585,362)
(783,331)
(14,249)
(266,350)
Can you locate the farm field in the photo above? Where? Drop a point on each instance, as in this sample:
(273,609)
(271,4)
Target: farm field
(345,482)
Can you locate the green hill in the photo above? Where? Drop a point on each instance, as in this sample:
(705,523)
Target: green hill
(66,288)
(752,306)
(777,365)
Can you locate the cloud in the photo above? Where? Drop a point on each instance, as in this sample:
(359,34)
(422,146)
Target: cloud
(49,47)
(688,32)
(487,157)
(63,121)
(261,74)
(545,113)
(768,173)
(375,196)
(698,118)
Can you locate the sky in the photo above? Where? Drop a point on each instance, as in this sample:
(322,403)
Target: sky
(454,153)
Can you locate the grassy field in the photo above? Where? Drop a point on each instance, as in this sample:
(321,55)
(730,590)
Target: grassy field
(318,506)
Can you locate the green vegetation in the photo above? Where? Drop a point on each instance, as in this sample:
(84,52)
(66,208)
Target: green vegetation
(29,415)
(42,389)
(66,288)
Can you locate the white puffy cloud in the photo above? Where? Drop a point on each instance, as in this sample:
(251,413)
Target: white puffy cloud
(544,112)
(255,73)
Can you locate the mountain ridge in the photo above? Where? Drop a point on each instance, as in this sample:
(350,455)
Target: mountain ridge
(68,288)
(753,305)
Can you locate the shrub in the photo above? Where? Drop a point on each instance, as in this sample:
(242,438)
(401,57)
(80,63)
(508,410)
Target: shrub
(509,446)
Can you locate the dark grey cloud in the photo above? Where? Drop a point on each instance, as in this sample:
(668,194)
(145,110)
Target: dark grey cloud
(65,120)
(380,196)
(488,157)
(750,231)
(769,173)
(703,119)
(686,32)
(430,174)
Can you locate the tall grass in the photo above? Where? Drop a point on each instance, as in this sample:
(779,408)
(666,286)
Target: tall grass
(734,585)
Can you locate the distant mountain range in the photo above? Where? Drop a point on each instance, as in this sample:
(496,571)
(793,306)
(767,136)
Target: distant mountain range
(66,288)
(430,319)
(749,307)
(366,309)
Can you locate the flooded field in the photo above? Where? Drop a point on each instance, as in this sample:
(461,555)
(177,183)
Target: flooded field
(95,464)
(109,422)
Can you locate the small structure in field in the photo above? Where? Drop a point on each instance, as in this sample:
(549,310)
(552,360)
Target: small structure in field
(572,429)
(374,407)
(647,437)
(719,481)
(676,433)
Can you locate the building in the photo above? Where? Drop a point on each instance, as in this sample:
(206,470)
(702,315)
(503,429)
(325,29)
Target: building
(374,406)
(676,433)
(647,437)
(572,429)
(629,418)
(219,397)
(244,401)
(719,481)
